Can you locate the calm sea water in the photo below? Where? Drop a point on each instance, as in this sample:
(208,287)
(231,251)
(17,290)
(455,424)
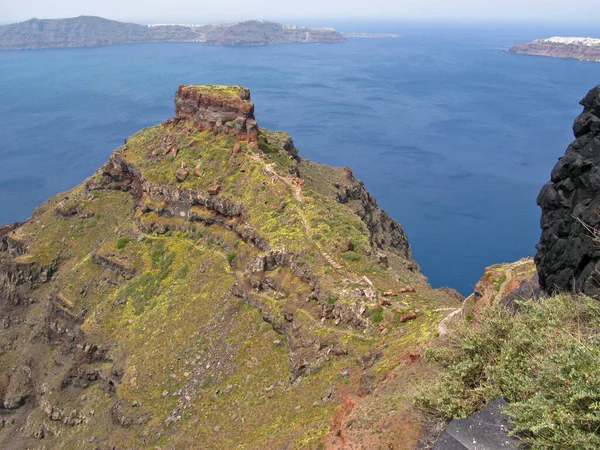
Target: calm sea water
(453,138)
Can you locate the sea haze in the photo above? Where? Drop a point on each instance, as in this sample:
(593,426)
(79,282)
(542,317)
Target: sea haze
(453,138)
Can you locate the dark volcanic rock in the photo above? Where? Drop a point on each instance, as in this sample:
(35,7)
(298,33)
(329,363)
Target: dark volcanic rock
(568,255)
(487,429)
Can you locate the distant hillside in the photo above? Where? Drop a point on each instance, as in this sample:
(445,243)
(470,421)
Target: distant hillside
(585,49)
(85,31)
(76,32)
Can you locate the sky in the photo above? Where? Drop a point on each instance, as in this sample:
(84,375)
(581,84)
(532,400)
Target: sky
(203,11)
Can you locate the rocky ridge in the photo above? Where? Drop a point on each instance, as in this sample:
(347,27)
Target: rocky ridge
(568,257)
(206,271)
(87,31)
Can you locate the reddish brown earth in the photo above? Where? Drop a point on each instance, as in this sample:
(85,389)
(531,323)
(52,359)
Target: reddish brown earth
(371,422)
(502,283)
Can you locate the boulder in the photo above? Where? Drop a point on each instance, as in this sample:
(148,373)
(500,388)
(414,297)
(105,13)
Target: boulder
(182,174)
(487,429)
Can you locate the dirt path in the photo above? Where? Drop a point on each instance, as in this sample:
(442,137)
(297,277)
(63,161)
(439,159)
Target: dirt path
(289,181)
(443,325)
(297,194)
(509,275)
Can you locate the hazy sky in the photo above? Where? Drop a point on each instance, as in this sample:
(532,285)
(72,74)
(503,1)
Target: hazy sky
(200,11)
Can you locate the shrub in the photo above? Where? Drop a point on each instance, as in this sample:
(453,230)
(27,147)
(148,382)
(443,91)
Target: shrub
(231,257)
(543,360)
(121,243)
(377,316)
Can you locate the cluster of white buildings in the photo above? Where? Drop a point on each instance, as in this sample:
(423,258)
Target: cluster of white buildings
(187,25)
(588,42)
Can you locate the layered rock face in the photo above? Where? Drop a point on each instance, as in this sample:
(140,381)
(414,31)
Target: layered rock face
(218,109)
(568,255)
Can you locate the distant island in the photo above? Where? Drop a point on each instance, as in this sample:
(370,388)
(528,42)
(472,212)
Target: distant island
(372,35)
(88,31)
(584,49)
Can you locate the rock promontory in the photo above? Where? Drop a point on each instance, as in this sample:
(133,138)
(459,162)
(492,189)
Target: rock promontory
(568,257)
(206,272)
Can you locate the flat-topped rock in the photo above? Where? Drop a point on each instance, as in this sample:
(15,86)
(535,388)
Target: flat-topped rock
(225,109)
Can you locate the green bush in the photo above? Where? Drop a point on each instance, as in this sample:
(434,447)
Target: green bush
(377,316)
(121,243)
(544,360)
(231,257)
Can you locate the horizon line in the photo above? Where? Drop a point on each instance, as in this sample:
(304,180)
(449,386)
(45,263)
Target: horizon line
(357,19)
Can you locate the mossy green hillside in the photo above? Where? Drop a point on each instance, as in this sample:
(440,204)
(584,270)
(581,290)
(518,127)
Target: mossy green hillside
(158,330)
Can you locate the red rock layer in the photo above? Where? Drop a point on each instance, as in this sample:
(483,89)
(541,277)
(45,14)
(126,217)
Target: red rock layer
(218,109)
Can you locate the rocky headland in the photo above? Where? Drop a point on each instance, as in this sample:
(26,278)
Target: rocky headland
(585,49)
(88,31)
(208,271)
(204,273)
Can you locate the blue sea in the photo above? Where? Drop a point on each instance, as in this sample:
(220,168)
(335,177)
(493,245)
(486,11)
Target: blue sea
(452,137)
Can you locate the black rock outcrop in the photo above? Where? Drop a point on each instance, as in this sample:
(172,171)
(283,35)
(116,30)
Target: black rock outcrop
(487,429)
(568,257)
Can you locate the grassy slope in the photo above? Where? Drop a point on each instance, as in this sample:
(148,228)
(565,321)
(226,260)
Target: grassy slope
(543,360)
(197,363)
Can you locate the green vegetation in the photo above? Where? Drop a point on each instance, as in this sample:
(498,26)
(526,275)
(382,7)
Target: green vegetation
(216,89)
(377,315)
(121,243)
(164,305)
(543,360)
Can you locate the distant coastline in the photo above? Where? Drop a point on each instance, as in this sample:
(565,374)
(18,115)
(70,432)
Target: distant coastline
(372,35)
(582,48)
(89,31)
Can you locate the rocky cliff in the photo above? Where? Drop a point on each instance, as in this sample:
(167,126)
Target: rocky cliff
(584,49)
(87,31)
(568,257)
(204,273)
